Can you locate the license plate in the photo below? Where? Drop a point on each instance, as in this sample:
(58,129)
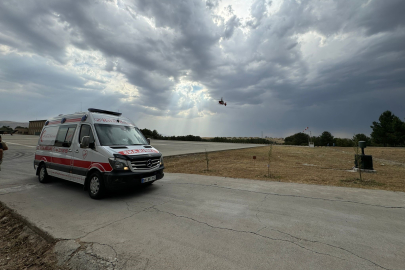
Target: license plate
(148,179)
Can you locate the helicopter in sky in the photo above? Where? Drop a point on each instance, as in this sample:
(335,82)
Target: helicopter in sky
(221,102)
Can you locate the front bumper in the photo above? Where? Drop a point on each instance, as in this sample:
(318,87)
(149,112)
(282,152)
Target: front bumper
(117,180)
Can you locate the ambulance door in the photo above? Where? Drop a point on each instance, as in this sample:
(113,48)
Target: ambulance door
(45,147)
(62,153)
(82,158)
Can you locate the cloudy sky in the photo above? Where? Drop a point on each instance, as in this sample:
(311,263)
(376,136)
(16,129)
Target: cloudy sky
(280,65)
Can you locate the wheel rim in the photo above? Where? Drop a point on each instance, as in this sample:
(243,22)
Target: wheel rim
(42,173)
(94,185)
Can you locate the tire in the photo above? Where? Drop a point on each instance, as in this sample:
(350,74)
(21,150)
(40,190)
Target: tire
(96,186)
(43,176)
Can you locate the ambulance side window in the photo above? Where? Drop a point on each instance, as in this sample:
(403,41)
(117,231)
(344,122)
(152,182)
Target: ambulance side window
(69,135)
(48,136)
(60,137)
(85,130)
(65,136)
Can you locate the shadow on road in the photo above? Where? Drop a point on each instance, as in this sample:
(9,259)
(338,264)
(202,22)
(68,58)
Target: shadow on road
(115,195)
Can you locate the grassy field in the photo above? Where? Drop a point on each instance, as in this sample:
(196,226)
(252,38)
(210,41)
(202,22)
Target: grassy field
(319,165)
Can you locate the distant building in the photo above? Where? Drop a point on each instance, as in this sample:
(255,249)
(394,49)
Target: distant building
(21,130)
(35,127)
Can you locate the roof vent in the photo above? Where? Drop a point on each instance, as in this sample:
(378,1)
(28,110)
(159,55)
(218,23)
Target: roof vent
(104,111)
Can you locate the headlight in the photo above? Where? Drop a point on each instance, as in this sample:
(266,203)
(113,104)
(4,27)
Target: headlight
(118,164)
(161,160)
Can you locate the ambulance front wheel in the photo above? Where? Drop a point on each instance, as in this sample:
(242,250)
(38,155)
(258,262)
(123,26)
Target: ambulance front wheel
(96,186)
(43,176)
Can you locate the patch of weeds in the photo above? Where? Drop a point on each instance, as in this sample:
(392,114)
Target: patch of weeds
(357,181)
(208,171)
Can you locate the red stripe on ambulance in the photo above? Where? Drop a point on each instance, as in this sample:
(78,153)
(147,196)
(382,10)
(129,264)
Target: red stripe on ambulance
(104,167)
(137,151)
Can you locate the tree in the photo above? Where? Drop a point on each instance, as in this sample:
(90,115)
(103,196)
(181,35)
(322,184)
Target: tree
(316,140)
(297,139)
(155,134)
(6,128)
(399,131)
(362,137)
(343,142)
(147,133)
(326,138)
(389,130)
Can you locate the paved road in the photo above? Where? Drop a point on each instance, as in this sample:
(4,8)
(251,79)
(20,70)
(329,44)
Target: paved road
(198,222)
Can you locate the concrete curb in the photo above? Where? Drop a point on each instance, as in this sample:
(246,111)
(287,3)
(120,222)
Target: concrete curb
(73,254)
(46,236)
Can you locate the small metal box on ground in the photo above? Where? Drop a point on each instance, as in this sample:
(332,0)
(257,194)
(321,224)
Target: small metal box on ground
(366,162)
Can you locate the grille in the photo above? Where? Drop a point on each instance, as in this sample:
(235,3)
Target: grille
(143,164)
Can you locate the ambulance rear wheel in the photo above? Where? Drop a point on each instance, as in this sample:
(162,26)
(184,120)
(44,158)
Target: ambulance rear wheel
(96,186)
(43,176)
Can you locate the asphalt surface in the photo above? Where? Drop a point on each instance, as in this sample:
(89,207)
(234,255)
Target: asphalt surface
(197,222)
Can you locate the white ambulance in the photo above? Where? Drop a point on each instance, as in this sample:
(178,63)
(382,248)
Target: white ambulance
(99,149)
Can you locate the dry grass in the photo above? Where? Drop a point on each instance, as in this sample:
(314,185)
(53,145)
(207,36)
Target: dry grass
(319,165)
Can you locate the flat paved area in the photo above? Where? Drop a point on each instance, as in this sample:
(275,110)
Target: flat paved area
(168,148)
(197,222)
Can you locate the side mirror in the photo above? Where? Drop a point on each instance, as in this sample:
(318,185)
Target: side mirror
(85,142)
(148,139)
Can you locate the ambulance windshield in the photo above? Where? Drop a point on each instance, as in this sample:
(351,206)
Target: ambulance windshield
(119,135)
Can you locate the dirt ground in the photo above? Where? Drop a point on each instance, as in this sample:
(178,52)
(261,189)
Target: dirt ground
(319,165)
(21,248)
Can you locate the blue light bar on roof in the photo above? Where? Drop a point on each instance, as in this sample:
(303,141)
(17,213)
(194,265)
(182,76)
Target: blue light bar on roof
(104,111)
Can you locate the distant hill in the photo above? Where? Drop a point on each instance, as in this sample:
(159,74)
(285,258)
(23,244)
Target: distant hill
(13,124)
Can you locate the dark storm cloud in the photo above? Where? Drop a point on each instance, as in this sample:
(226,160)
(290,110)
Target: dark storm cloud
(30,70)
(376,67)
(260,63)
(151,56)
(42,91)
(257,12)
(230,26)
(31,26)
(382,16)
